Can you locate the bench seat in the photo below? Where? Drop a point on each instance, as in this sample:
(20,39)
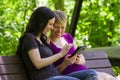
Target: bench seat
(11,67)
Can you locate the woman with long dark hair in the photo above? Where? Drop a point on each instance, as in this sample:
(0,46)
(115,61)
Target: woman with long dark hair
(34,50)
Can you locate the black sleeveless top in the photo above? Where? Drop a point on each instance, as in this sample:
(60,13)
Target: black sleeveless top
(30,42)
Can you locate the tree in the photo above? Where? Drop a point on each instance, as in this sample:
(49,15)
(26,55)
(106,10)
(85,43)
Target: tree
(75,17)
(14,15)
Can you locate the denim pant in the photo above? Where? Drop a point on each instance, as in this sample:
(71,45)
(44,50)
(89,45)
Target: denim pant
(62,78)
(88,74)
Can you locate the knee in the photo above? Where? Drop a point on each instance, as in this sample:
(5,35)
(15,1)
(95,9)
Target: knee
(92,72)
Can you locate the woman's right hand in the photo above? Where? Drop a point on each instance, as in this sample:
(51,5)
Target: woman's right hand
(65,49)
(69,60)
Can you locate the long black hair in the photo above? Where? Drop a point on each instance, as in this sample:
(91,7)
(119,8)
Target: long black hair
(39,20)
(37,23)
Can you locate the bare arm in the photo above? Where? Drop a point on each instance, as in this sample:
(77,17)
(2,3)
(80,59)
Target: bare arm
(61,67)
(67,61)
(77,59)
(39,62)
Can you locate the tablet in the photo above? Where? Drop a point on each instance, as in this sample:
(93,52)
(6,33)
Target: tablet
(78,50)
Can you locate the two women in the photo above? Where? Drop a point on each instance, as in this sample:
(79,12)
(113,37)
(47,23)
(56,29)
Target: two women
(37,55)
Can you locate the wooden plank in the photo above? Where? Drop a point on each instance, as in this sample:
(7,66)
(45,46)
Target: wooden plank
(94,54)
(98,63)
(13,77)
(11,69)
(9,59)
(107,70)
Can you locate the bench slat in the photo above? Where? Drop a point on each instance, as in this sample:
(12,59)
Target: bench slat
(98,63)
(9,59)
(13,77)
(94,54)
(11,69)
(107,70)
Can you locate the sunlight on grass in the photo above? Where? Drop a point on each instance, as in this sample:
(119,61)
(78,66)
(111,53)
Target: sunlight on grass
(116,70)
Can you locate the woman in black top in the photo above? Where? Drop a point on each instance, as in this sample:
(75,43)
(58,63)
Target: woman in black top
(34,50)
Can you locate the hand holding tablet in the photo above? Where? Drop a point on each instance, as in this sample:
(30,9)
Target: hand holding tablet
(78,50)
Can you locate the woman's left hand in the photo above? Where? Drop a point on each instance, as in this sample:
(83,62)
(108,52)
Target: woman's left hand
(80,59)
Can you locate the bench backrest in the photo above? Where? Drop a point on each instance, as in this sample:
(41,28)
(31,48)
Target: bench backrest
(99,61)
(11,67)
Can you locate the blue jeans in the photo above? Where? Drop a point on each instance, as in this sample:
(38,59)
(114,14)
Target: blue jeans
(88,74)
(62,78)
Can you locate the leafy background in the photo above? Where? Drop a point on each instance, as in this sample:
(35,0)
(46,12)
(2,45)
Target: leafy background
(98,25)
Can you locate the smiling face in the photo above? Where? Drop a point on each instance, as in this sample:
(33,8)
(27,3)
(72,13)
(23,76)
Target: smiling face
(59,25)
(49,26)
(58,30)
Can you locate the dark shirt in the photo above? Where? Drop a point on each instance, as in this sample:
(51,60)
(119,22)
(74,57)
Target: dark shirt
(30,42)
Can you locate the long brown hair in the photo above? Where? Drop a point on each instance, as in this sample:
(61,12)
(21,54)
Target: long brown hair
(38,20)
(37,23)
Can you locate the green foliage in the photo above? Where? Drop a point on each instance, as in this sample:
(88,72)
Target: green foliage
(12,23)
(99,23)
(116,69)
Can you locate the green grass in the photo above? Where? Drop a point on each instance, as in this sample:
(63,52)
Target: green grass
(116,70)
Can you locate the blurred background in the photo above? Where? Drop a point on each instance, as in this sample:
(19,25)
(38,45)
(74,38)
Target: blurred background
(95,23)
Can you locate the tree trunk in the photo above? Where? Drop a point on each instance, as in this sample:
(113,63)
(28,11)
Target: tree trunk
(75,17)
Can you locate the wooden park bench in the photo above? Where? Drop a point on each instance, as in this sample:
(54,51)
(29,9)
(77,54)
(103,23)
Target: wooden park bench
(99,61)
(11,68)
